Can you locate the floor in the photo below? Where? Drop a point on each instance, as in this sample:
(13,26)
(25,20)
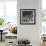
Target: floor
(2,43)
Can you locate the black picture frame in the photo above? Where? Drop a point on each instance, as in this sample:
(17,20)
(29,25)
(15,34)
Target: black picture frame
(27,16)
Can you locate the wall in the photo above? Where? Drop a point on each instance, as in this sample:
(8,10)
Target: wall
(31,32)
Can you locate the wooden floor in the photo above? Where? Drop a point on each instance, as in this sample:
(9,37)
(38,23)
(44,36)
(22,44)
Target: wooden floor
(2,43)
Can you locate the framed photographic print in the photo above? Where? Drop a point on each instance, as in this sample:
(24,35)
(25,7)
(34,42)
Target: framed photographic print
(27,16)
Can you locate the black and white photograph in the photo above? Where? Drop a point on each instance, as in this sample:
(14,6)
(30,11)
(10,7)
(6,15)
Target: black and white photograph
(27,16)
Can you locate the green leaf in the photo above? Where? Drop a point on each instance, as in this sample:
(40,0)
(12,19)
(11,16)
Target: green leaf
(1,22)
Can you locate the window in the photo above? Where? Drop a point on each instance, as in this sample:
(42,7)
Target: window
(11,11)
(44,15)
(8,11)
(1,9)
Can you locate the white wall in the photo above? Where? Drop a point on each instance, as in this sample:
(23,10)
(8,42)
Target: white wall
(31,32)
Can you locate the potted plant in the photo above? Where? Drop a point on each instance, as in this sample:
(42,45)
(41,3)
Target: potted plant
(1,22)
